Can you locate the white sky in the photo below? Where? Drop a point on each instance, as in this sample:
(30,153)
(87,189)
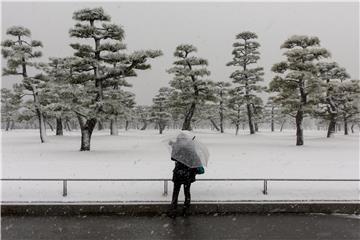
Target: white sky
(211,27)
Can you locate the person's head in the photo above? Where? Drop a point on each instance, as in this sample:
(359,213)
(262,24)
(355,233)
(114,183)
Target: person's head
(185,135)
(181,136)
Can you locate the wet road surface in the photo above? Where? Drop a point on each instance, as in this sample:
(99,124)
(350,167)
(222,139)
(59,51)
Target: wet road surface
(244,226)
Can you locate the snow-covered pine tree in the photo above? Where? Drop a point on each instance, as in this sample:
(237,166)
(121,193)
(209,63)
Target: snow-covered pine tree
(221,92)
(20,53)
(209,111)
(189,72)
(160,108)
(27,114)
(59,73)
(142,114)
(216,115)
(236,106)
(118,103)
(245,54)
(258,112)
(272,113)
(129,109)
(328,106)
(297,84)
(117,96)
(99,65)
(177,108)
(10,106)
(349,102)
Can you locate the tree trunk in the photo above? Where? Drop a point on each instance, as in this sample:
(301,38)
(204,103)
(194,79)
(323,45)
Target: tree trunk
(161,128)
(144,126)
(339,127)
(40,117)
(256,127)
(331,109)
(67,125)
(214,124)
(352,128)
(100,125)
(41,125)
(12,126)
(299,128)
(221,119)
(49,124)
(126,125)
(332,126)
(85,140)
(250,119)
(346,130)
(7,124)
(282,125)
(74,125)
(87,127)
(113,127)
(187,121)
(59,127)
(272,120)
(236,129)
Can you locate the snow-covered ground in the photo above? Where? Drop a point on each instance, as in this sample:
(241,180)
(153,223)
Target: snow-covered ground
(143,154)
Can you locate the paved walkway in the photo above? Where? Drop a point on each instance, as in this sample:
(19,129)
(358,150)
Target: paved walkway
(246,226)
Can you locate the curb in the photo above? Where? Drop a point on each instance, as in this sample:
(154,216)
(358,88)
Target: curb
(147,209)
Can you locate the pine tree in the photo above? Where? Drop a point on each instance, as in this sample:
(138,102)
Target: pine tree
(10,106)
(189,72)
(209,111)
(245,53)
(332,76)
(57,91)
(349,102)
(129,109)
(20,53)
(142,114)
(258,112)
(160,108)
(297,84)
(177,108)
(221,90)
(236,107)
(27,113)
(118,103)
(273,114)
(100,66)
(117,98)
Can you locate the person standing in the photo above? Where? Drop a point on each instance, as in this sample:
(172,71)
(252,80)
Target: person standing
(182,175)
(187,165)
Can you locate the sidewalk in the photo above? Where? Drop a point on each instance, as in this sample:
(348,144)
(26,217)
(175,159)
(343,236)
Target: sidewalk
(231,226)
(159,208)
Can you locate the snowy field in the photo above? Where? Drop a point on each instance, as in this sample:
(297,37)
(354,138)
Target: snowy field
(143,154)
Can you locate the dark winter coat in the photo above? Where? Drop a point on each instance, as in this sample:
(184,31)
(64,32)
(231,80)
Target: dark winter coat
(183,174)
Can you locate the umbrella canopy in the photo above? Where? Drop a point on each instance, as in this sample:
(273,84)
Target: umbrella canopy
(189,151)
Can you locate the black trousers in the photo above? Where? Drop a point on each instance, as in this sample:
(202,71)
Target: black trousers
(176,191)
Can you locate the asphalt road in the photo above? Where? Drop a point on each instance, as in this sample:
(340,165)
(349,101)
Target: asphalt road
(245,226)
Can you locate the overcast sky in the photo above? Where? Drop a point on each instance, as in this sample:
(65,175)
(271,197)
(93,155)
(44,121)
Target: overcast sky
(211,27)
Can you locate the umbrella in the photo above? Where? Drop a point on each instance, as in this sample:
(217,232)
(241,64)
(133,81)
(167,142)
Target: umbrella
(189,151)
